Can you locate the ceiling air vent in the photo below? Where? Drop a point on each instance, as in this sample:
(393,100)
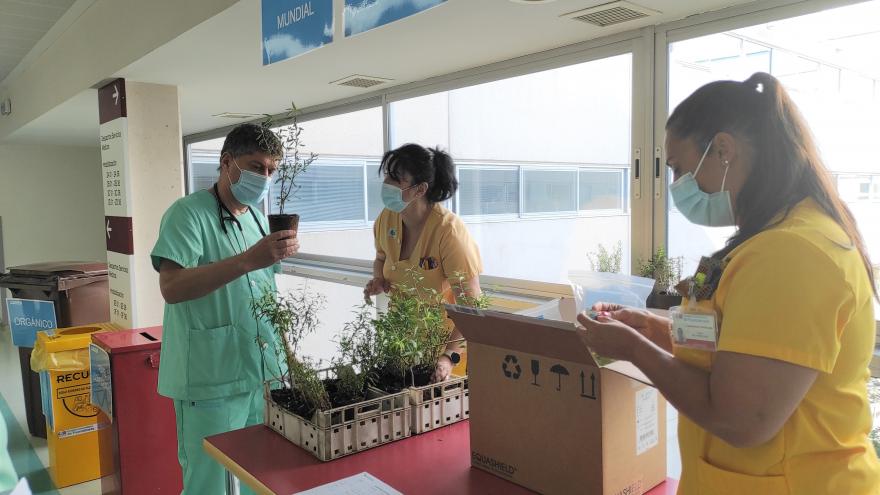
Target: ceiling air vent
(357,81)
(236,115)
(611,13)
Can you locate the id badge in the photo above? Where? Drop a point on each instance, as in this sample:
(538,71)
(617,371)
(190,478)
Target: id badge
(694,328)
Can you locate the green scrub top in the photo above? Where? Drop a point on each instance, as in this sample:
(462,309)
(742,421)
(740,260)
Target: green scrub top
(209,344)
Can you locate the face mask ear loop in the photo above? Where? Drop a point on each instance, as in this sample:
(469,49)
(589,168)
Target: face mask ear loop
(724,179)
(702,159)
(228,175)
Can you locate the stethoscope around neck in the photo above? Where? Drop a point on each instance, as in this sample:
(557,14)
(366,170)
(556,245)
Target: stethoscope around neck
(227,216)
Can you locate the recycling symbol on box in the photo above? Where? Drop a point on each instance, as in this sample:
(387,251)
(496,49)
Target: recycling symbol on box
(511,367)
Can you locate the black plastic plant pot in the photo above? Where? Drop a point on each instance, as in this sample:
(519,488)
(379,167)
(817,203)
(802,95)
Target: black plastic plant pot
(283,222)
(663,300)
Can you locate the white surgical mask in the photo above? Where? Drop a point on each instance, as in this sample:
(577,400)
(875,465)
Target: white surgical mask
(698,206)
(251,187)
(392,197)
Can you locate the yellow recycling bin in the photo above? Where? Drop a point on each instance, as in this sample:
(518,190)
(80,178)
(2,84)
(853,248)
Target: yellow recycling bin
(75,428)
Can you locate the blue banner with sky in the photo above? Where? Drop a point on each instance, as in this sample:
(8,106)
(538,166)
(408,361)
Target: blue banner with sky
(364,15)
(294,27)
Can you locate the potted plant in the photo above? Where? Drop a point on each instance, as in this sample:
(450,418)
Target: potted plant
(411,335)
(323,410)
(293,316)
(666,272)
(604,261)
(294,162)
(458,281)
(358,351)
(403,346)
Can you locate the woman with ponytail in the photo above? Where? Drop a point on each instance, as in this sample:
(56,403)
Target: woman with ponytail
(414,232)
(774,400)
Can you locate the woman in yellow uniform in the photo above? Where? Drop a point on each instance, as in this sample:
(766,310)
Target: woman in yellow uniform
(414,232)
(778,327)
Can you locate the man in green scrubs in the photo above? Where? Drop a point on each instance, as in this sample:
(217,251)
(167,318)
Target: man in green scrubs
(213,257)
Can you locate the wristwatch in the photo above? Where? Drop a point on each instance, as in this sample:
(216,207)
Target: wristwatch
(453,356)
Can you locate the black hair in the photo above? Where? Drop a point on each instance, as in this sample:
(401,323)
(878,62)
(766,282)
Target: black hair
(429,165)
(787,167)
(252,138)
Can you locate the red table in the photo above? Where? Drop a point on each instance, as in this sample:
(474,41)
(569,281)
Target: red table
(435,462)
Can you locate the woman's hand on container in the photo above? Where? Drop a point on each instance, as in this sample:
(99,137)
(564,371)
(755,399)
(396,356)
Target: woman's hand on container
(442,370)
(654,327)
(377,285)
(609,337)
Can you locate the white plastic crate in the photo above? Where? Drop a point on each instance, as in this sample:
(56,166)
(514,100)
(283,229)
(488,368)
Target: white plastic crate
(344,430)
(439,404)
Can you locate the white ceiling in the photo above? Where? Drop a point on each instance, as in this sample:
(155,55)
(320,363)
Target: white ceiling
(22,24)
(218,68)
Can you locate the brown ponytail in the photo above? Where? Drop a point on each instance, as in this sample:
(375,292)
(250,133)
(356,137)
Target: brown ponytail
(787,167)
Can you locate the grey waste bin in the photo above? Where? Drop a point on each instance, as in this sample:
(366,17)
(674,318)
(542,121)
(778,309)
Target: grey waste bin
(80,291)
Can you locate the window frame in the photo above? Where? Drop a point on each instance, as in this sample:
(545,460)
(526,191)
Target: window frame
(547,214)
(624,192)
(489,217)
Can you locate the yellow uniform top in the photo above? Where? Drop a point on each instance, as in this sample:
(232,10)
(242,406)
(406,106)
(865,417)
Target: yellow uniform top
(444,250)
(797,292)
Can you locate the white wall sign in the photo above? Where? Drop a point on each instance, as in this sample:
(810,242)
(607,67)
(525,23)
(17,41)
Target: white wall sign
(121,287)
(114,167)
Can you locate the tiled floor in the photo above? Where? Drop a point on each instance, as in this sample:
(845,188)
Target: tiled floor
(29,455)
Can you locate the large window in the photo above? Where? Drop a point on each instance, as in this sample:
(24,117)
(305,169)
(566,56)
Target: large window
(602,189)
(828,62)
(549,190)
(337,197)
(543,163)
(488,191)
(329,191)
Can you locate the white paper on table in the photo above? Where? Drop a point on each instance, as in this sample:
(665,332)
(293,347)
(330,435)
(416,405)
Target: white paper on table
(359,484)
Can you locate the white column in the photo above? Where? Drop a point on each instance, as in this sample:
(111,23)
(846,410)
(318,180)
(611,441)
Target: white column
(142,174)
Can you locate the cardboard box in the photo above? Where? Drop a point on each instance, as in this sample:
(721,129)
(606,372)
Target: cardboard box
(544,415)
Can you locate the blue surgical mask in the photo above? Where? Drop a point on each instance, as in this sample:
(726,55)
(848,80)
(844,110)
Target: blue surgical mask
(392,197)
(251,187)
(698,206)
